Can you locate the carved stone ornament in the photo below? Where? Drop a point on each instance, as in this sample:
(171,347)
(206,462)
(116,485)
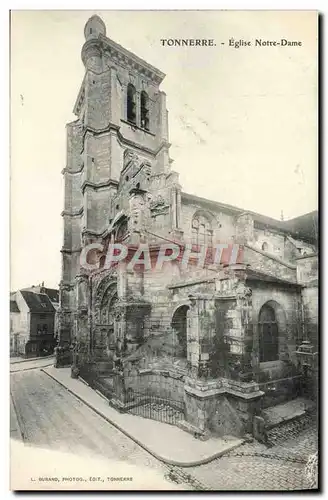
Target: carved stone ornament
(147,168)
(243,292)
(130,158)
(159,206)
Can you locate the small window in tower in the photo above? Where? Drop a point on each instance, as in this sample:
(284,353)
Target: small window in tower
(131,104)
(127,178)
(144,110)
(265,247)
(90,31)
(117,207)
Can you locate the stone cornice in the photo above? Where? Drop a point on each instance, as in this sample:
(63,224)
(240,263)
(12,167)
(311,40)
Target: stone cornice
(67,170)
(124,141)
(76,213)
(100,185)
(182,284)
(71,250)
(129,60)
(307,256)
(201,394)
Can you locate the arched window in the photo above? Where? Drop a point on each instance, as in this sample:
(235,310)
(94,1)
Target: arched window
(144,110)
(268,334)
(201,231)
(121,231)
(265,247)
(179,326)
(131,104)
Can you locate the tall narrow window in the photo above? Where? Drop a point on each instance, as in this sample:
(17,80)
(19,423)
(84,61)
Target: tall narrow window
(268,334)
(201,231)
(144,110)
(131,104)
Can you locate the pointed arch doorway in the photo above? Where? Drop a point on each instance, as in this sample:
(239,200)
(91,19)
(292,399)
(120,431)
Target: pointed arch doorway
(179,326)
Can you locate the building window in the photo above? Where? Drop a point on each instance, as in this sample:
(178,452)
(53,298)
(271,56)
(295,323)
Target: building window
(131,104)
(201,231)
(268,334)
(265,247)
(144,110)
(122,231)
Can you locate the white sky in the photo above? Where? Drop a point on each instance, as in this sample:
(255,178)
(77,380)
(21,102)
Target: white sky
(243,122)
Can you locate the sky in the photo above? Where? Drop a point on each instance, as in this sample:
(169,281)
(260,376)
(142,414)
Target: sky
(242,122)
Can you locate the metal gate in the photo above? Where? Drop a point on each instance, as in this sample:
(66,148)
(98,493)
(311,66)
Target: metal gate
(158,396)
(148,405)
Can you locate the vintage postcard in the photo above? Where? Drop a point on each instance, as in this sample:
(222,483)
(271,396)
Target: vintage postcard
(164,250)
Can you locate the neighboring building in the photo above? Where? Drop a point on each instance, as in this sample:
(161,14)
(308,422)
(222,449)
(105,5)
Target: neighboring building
(32,323)
(53,295)
(15,328)
(210,337)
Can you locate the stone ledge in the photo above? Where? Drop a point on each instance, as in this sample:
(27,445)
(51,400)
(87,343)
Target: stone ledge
(221,392)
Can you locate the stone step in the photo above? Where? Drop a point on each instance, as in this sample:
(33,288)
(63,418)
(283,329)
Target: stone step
(280,414)
(279,434)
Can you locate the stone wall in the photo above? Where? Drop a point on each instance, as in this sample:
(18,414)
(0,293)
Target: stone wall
(223,224)
(269,264)
(311,315)
(274,241)
(307,269)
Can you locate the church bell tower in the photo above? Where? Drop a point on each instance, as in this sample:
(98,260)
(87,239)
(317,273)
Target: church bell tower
(118,177)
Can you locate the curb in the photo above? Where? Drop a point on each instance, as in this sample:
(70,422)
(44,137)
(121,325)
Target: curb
(30,368)
(130,436)
(31,359)
(20,435)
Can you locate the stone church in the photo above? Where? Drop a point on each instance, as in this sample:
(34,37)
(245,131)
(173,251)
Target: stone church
(221,340)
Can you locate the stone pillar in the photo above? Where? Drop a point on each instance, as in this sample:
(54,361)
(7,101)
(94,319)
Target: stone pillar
(193,348)
(137,206)
(244,304)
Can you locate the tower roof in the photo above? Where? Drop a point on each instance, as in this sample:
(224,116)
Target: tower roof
(94,27)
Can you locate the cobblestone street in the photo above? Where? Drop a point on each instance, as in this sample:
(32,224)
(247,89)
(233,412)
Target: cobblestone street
(50,417)
(253,466)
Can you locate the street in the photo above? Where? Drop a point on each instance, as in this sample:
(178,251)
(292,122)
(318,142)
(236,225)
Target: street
(50,417)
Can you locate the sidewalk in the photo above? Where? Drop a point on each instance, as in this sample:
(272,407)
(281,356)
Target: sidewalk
(165,442)
(17,359)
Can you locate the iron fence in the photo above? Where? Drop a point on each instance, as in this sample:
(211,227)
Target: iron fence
(147,405)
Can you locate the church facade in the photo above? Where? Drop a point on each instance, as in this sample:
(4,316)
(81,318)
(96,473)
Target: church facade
(221,337)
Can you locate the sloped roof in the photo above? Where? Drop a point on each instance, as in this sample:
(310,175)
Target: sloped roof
(52,293)
(302,227)
(257,275)
(38,302)
(14,307)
